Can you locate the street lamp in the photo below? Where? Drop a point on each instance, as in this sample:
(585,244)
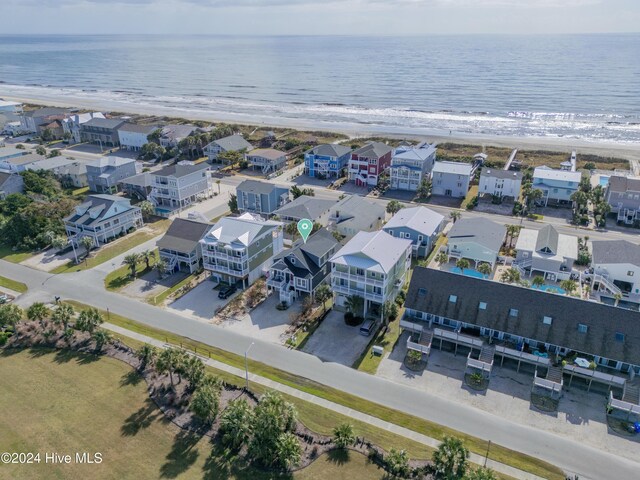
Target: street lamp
(246,366)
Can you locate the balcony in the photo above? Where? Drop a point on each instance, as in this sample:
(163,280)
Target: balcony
(347,290)
(225,256)
(213,267)
(358,278)
(276,282)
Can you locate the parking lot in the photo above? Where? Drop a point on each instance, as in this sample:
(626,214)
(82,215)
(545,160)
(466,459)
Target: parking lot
(200,303)
(335,341)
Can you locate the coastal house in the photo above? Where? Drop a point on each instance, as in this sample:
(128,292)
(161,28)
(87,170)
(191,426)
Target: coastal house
(368,162)
(301,269)
(519,320)
(10,183)
(8,152)
(105,173)
(102,131)
(420,225)
(137,186)
(102,218)
(451,179)
(171,135)
(73,175)
(19,163)
(9,107)
(500,183)
(72,124)
(615,270)
(327,160)
(623,195)
(52,164)
(133,136)
(54,128)
(373,266)
(476,239)
(314,209)
(180,247)
(239,250)
(557,186)
(268,160)
(232,143)
(355,214)
(411,165)
(32,121)
(262,198)
(175,187)
(546,251)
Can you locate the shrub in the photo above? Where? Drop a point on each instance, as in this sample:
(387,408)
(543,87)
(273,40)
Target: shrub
(343,435)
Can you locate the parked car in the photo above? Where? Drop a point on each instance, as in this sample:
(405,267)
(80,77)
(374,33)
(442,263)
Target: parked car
(367,327)
(226,292)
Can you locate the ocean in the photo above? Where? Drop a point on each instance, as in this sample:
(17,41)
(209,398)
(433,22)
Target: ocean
(577,86)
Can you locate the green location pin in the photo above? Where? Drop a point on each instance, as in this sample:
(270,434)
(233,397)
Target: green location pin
(304,227)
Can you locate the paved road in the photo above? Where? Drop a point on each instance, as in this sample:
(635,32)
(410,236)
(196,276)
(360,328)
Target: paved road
(571,455)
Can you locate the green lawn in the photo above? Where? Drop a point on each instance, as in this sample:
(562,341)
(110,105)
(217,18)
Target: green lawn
(431,429)
(368,362)
(6,253)
(13,285)
(119,247)
(122,276)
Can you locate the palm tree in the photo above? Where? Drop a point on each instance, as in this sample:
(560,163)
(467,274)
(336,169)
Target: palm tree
(146,208)
(450,460)
(485,269)
(355,304)
(89,320)
(441,258)
(59,242)
(398,462)
(537,281)
(132,261)
(62,315)
(236,424)
(37,312)
(218,183)
(511,275)
(323,293)
(569,286)
(147,355)
(534,195)
(462,264)
(481,473)
(454,215)
(161,266)
(102,338)
(394,207)
(343,435)
(86,243)
(147,256)
(10,315)
(288,450)
(618,297)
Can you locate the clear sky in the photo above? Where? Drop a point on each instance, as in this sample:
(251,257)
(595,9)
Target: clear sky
(295,17)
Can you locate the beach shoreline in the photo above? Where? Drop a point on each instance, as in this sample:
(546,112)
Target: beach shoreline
(626,150)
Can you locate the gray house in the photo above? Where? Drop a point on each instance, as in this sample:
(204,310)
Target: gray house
(476,239)
(10,183)
(623,194)
(261,197)
(268,160)
(180,246)
(103,131)
(104,175)
(304,267)
(546,251)
(315,209)
(355,214)
(232,143)
(451,179)
(420,225)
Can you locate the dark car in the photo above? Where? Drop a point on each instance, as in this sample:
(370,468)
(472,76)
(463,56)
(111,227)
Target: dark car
(226,292)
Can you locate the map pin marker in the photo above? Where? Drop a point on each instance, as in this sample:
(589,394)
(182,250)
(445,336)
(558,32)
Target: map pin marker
(304,227)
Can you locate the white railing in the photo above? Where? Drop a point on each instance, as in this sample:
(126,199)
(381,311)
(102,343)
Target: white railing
(357,278)
(418,347)
(600,377)
(410,326)
(479,364)
(275,282)
(622,405)
(608,284)
(518,355)
(221,269)
(457,337)
(346,290)
(547,384)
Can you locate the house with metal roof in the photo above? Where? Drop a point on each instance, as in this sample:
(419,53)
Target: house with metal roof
(476,239)
(239,250)
(368,162)
(176,187)
(623,195)
(10,182)
(133,136)
(410,165)
(312,208)
(105,173)
(262,198)
(420,225)
(546,251)
(301,269)
(102,218)
(232,143)
(451,179)
(268,160)
(373,266)
(500,183)
(355,214)
(103,131)
(557,186)
(19,163)
(180,246)
(615,271)
(326,161)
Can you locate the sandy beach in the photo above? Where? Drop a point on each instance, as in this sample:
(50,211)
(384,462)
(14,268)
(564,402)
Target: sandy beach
(628,151)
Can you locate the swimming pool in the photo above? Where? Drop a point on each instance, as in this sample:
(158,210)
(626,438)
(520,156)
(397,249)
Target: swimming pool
(469,272)
(549,288)
(604,180)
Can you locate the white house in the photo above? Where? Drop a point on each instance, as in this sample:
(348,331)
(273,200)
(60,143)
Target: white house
(476,239)
(232,143)
(616,269)
(500,183)
(175,187)
(373,266)
(546,251)
(451,179)
(133,136)
(411,165)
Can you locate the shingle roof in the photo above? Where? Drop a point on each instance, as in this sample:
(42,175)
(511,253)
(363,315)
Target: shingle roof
(141,180)
(376,251)
(233,143)
(430,290)
(547,238)
(305,207)
(111,161)
(546,173)
(177,131)
(419,219)
(95,204)
(4,177)
(136,128)
(25,159)
(178,170)
(111,123)
(615,251)
(480,230)
(45,112)
(358,212)
(254,186)
(183,235)
(268,153)
(456,168)
(497,173)
(373,150)
(318,244)
(330,150)
(623,184)
(50,163)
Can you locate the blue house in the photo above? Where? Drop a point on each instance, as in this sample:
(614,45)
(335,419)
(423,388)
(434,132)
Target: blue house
(557,186)
(326,161)
(420,225)
(261,198)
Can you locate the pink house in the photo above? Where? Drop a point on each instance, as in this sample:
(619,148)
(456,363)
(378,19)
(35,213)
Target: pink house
(368,163)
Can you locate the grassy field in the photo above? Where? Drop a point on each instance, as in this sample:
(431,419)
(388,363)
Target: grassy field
(107,252)
(6,253)
(498,452)
(13,285)
(121,277)
(59,401)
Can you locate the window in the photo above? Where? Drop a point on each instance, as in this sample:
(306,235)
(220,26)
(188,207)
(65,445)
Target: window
(630,273)
(582,328)
(422,292)
(390,232)
(420,238)
(513,312)
(619,337)
(546,320)
(453,298)
(359,271)
(482,306)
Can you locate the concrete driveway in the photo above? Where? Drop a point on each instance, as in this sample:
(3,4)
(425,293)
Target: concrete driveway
(201,303)
(335,341)
(48,260)
(149,284)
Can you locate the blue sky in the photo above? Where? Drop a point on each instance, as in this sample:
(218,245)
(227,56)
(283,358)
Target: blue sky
(362,17)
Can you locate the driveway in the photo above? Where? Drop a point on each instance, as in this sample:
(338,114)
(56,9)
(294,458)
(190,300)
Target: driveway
(335,341)
(149,284)
(48,260)
(264,322)
(201,303)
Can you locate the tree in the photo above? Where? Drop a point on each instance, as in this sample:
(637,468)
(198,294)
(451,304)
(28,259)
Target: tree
(288,450)
(59,242)
(569,286)
(37,312)
(462,264)
(47,135)
(537,281)
(298,192)
(355,305)
(193,369)
(40,150)
(450,460)
(485,269)
(533,196)
(441,258)
(62,315)
(102,338)
(454,215)
(132,260)
(512,275)
(87,244)
(147,256)
(394,206)
(205,403)
(424,190)
(161,266)
(89,320)
(218,184)
(273,417)
(54,153)
(10,315)
(389,311)
(236,424)
(481,473)
(147,354)
(230,157)
(146,208)
(233,203)
(343,435)
(323,294)
(512,231)
(66,136)
(398,462)
(169,361)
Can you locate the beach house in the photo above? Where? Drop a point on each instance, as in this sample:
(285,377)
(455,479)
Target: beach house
(176,187)
(476,239)
(615,270)
(102,131)
(133,136)
(546,251)
(171,135)
(10,182)
(355,214)
(557,186)
(105,173)
(372,266)
(72,124)
(451,179)
(32,121)
(19,163)
(180,246)
(232,143)
(315,209)
(411,165)
(623,195)
(368,162)
(239,250)
(420,225)
(267,160)
(261,198)
(503,184)
(327,160)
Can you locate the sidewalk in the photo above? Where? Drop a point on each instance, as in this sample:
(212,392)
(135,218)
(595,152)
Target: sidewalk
(376,422)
